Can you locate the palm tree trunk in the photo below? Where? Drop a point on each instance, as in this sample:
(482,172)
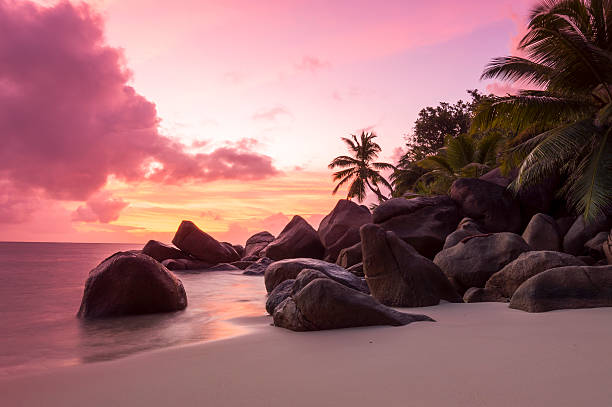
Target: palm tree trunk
(379,194)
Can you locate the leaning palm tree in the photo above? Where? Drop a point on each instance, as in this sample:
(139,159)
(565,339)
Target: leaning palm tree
(462,156)
(565,126)
(360,170)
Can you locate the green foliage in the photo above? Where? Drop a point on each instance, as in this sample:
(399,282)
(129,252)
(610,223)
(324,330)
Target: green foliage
(564,126)
(463,156)
(359,169)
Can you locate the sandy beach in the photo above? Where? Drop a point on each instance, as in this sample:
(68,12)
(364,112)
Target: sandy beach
(475,355)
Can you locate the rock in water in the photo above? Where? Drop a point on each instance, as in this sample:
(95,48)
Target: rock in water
(528,264)
(256,243)
(325,304)
(298,239)
(128,284)
(282,270)
(488,204)
(565,288)
(422,222)
(471,262)
(190,239)
(542,233)
(398,275)
(161,251)
(340,228)
(258,268)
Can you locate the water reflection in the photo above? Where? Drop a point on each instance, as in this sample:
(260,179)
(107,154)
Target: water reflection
(215,298)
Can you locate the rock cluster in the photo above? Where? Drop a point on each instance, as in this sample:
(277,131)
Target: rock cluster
(480,243)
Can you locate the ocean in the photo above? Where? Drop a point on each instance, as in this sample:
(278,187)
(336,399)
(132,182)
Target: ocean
(41,285)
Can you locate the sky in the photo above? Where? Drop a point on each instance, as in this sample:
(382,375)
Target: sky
(120,118)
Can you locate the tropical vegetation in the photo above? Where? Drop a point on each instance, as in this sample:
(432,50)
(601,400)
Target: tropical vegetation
(359,169)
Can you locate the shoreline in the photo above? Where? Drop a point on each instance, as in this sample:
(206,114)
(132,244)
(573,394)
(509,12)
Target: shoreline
(475,354)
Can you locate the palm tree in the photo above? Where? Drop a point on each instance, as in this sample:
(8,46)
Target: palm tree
(359,169)
(462,156)
(566,124)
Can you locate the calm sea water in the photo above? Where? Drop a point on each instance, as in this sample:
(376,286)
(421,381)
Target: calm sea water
(41,285)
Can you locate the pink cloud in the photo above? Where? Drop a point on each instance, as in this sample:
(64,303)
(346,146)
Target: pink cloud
(271,114)
(16,207)
(69,119)
(101,207)
(312,64)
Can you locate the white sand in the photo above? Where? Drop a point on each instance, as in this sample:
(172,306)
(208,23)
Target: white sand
(475,355)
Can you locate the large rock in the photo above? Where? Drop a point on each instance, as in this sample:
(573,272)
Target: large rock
(491,205)
(298,239)
(278,295)
(423,222)
(478,294)
(190,239)
(340,228)
(256,243)
(398,275)
(326,304)
(472,261)
(467,227)
(259,267)
(581,232)
(595,246)
(495,176)
(127,284)
(350,256)
(528,264)
(565,288)
(542,233)
(161,251)
(280,271)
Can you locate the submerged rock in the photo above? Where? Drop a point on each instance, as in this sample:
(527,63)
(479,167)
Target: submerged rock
(326,304)
(398,275)
(129,284)
(259,267)
(298,239)
(565,288)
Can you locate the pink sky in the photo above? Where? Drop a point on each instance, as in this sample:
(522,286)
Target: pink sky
(120,118)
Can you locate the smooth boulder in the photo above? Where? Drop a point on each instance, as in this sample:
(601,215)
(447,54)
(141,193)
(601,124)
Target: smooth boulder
(278,295)
(259,267)
(256,243)
(467,227)
(190,239)
(565,288)
(471,262)
(398,275)
(542,233)
(491,205)
(298,239)
(340,228)
(129,284)
(161,251)
(528,264)
(326,304)
(282,270)
(478,294)
(423,222)
(595,246)
(350,256)
(581,232)
(607,248)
